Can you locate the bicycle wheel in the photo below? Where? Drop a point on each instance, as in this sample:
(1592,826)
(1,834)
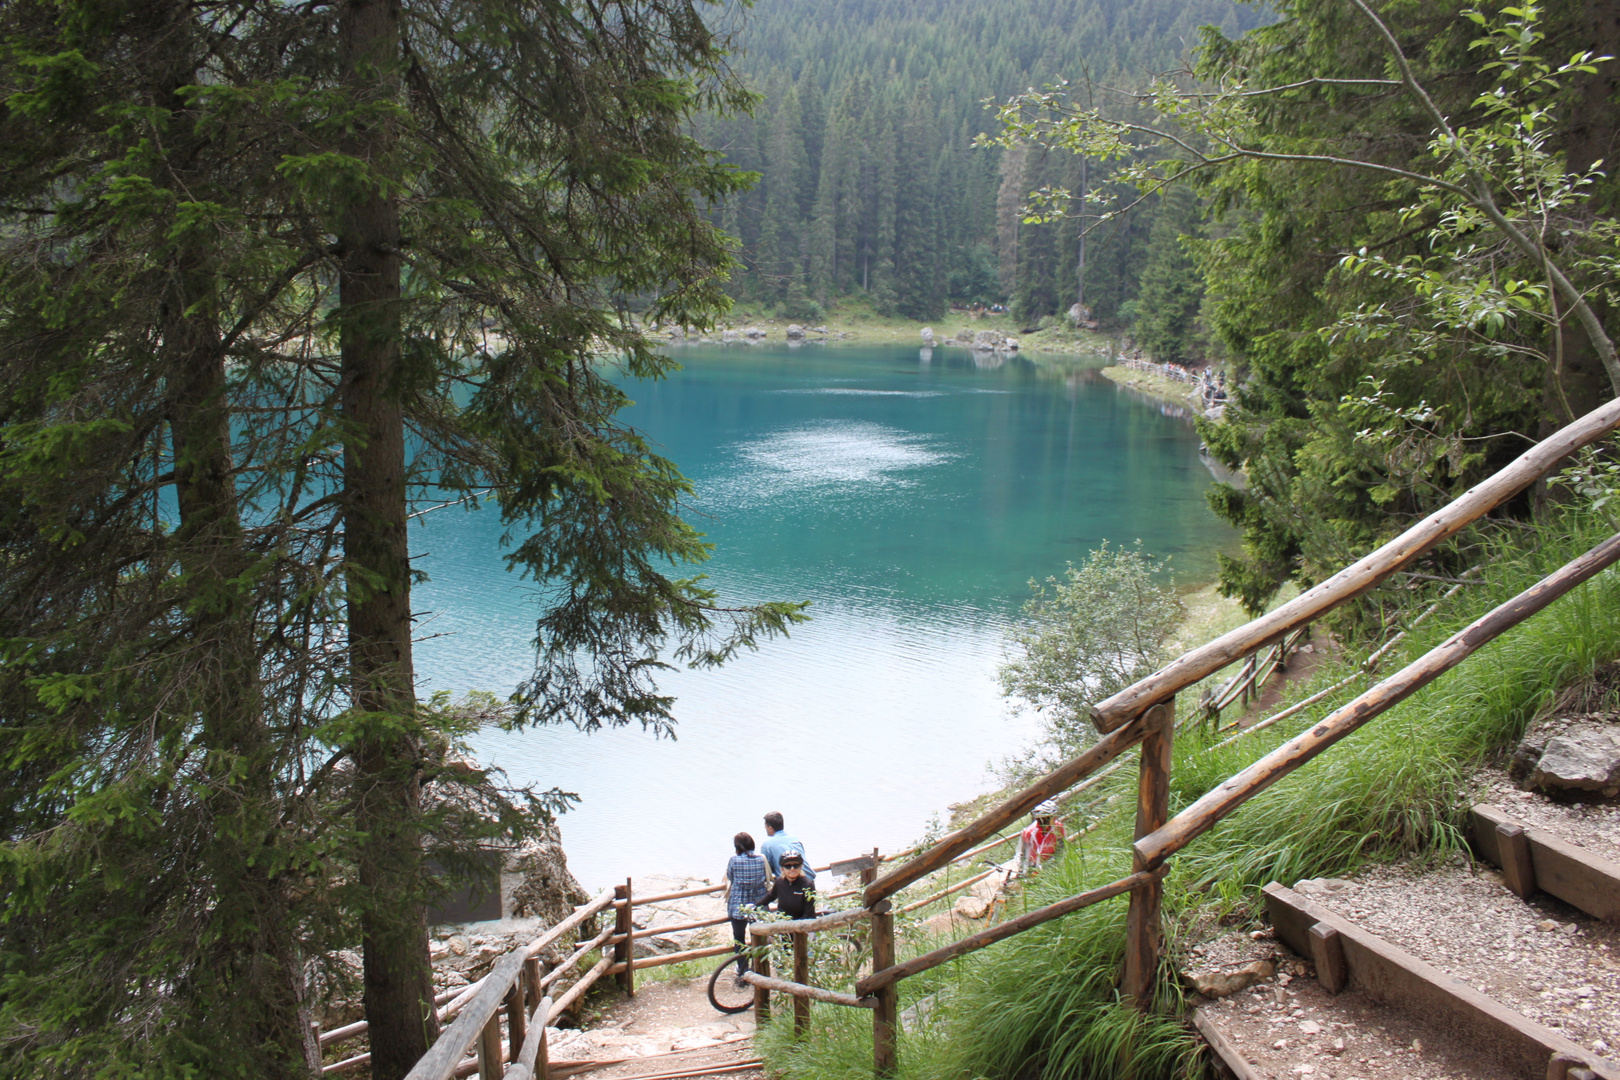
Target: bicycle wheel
(727,992)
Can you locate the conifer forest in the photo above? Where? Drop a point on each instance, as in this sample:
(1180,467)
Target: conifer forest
(872,182)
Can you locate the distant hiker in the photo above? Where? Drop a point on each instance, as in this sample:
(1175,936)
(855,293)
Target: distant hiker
(1041,840)
(745,888)
(793,893)
(778,842)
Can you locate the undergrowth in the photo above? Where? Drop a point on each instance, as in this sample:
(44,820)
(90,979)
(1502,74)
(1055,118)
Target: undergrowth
(1045,1004)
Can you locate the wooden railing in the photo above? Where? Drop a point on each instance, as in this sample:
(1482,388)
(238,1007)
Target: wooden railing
(515,987)
(1251,677)
(1141,714)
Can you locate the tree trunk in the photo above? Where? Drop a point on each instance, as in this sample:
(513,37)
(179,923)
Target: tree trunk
(397,974)
(253,980)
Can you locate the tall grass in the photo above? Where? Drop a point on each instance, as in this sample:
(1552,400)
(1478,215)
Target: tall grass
(1045,1004)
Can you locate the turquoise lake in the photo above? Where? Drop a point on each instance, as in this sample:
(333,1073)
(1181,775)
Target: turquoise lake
(910,496)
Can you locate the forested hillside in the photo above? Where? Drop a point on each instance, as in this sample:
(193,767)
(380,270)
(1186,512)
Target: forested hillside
(871,184)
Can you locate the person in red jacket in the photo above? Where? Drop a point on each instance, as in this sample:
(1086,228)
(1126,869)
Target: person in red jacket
(1042,840)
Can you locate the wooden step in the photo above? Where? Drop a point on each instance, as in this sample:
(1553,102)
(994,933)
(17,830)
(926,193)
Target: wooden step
(1301,1032)
(1535,859)
(1376,1011)
(1345,955)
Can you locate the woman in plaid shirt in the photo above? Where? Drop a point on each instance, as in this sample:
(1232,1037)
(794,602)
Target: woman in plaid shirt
(745,888)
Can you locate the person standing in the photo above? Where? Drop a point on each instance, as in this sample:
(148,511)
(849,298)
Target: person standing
(1041,840)
(778,841)
(793,893)
(745,888)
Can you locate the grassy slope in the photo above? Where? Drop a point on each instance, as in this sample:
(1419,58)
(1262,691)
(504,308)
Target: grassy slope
(1044,1003)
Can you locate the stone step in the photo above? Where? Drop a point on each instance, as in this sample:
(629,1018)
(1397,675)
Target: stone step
(1376,1009)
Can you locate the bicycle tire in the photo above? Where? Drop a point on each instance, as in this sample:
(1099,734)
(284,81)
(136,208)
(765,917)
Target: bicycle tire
(724,995)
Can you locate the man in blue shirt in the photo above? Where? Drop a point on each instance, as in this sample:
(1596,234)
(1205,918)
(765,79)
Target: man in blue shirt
(778,841)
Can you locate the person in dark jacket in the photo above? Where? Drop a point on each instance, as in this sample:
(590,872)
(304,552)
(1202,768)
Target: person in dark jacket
(793,893)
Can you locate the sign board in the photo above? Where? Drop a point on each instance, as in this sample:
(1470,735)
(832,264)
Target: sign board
(852,866)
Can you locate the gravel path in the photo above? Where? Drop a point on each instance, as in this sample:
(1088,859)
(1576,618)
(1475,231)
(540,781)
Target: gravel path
(1291,1028)
(1591,825)
(1544,959)
(670,1023)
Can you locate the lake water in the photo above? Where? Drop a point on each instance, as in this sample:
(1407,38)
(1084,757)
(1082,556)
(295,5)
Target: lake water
(910,498)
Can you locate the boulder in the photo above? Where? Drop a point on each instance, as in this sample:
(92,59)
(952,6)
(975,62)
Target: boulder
(1010,344)
(986,340)
(976,903)
(547,891)
(1528,753)
(1585,757)
(928,335)
(795,331)
(1219,984)
(753,333)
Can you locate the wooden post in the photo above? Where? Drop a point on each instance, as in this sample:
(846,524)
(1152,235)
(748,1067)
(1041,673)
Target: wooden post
(1327,953)
(1568,1067)
(1142,928)
(531,983)
(1513,849)
(624,951)
(489,1049)
(868,875)
(801,974)
(762,996)
(885,1017)
(517,1020)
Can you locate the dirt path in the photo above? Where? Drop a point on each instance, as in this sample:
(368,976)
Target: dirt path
(667,1027)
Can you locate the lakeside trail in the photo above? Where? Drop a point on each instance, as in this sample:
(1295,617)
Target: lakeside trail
(668,1029)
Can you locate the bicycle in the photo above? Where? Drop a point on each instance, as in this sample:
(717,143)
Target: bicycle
(727,991)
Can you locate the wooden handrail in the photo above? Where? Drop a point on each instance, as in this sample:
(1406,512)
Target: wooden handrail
(642,901)
(662,959)
(1202,815)
(1360,576)
(534,1045)
(1106,749)
(808,926)
(943,893)
(586,981)
(804,990)
(446,1053)
(585,948)
(660,931)
(973,942)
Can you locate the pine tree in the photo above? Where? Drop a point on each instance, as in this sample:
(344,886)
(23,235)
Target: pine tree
(213,352)
(1172,288)
(782,233)
(881,282)
(919,278)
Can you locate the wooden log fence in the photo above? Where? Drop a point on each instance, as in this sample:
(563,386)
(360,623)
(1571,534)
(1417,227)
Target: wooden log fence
(1231,793)
(1246,685)
(1197,664)
(1143,713)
